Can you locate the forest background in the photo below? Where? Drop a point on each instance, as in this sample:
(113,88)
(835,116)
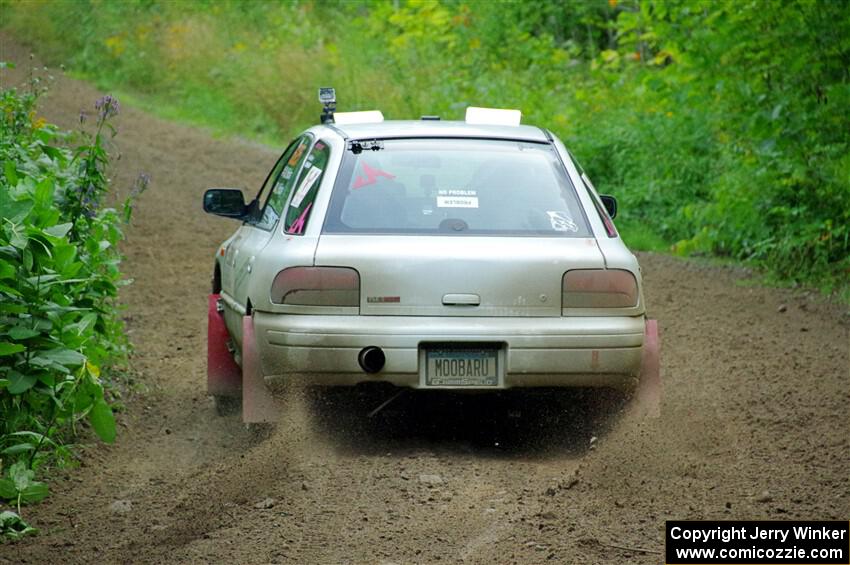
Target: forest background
(722,127)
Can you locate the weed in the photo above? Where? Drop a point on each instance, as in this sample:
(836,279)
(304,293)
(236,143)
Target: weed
(60,333)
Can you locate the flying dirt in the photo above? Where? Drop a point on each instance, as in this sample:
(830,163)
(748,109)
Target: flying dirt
(755,409)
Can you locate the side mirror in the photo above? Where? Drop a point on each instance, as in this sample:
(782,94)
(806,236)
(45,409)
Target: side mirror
(226,202)
(610,204)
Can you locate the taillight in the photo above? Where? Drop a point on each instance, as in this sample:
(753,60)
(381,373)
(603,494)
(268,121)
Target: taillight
(317,286)
(598,288)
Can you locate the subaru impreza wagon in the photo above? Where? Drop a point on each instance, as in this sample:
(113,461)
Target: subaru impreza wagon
(430,254)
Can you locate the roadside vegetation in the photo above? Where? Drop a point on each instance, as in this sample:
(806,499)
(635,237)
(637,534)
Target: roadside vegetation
(721,126)
(61,335)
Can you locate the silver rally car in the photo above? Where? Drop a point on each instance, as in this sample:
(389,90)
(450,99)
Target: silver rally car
(428,254)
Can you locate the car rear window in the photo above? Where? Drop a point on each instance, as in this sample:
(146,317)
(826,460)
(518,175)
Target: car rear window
(455,187)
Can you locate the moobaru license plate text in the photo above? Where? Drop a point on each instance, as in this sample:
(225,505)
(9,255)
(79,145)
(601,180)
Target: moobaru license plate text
(462,367)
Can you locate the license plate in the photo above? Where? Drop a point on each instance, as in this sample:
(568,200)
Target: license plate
(462,367)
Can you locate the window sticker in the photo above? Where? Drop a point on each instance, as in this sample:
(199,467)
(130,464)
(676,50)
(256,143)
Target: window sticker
(298,225)
(269,216)
(371,177)
(308,181)
(297,154)
(457,199)
(561,221)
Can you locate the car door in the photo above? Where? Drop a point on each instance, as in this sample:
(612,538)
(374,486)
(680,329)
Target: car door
(257,230)
(233,245)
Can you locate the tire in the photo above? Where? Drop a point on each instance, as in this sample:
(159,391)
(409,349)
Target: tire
(260,431)
(227,405)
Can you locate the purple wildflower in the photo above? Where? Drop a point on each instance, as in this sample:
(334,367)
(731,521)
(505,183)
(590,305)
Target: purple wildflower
(141,183)
(89,202)
(139,186)
(107,107)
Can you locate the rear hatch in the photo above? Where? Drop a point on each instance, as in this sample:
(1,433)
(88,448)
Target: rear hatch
(457,227)
(402,275)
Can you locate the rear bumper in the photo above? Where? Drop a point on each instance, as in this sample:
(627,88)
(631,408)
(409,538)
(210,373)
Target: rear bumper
(568,351)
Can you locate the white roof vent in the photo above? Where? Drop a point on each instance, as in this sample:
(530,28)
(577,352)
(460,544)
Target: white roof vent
(492,117)
(367,117)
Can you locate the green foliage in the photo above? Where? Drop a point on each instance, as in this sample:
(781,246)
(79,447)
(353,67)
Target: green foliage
(20,485)
(721,126)
(13,527)
(758,137)
(59,278)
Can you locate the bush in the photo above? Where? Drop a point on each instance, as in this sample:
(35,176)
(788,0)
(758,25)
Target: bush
(60,333)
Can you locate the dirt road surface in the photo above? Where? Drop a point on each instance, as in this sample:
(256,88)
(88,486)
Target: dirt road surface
(755,420)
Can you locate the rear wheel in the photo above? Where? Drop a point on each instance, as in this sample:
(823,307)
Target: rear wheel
(227,405)
(260,431)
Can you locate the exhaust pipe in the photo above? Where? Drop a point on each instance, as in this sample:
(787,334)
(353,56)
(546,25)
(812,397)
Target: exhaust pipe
(371,359)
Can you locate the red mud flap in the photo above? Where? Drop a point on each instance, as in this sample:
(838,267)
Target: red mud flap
(647,398)
(224,377)
(258,403)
